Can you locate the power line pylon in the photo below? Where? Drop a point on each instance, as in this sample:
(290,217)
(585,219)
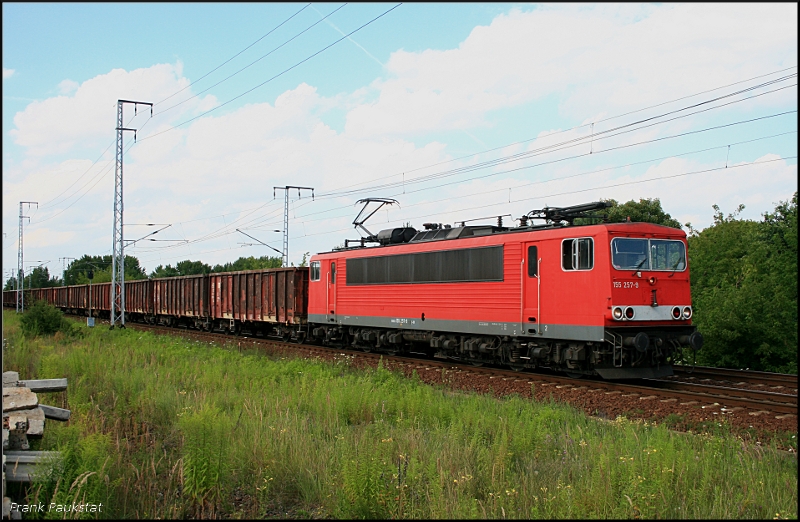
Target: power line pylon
(285,260)
(64,269)
(118,256)
(20,268)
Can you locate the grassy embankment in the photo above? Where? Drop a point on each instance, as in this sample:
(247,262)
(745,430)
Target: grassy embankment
(164,427)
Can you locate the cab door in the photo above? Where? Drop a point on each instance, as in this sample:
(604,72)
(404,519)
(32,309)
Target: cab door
(531,275)
(331,282)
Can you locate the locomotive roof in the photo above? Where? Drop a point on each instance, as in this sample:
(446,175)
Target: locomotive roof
(450,233)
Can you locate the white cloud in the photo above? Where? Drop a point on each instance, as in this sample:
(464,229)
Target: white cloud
(7,73)
(68,86)
(56,125)
(598,58)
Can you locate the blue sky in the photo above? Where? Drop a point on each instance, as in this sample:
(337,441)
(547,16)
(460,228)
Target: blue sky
(423,89)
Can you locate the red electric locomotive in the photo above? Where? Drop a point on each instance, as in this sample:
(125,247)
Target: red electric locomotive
(611,299)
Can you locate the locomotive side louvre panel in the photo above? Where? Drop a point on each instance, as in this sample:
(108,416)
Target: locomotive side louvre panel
(472,301)
(445,266)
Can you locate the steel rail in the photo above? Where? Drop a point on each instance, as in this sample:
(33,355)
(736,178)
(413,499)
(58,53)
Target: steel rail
(747,376)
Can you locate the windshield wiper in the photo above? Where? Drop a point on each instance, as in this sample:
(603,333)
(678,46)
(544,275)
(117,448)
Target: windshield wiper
(675,266)
(639,265)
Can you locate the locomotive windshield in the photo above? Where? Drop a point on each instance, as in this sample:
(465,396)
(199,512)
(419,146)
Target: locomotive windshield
(648,254)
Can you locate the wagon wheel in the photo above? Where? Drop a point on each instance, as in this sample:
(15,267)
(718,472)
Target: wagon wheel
(476,363)
(517,367)
(573,375)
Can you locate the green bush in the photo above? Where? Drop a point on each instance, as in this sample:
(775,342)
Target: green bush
(45,319)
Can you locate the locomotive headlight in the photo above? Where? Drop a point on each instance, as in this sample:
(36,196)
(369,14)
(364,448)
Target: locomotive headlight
(617,313)
(629,313)
(687,312)
(676,312)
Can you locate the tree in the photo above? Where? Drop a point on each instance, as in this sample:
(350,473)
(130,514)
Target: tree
(744,289)
(39,277)
(181,268)
(644,211)
(11,284)
(249,263)
(75,274)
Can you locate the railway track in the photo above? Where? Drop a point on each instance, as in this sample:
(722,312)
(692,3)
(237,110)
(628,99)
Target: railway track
(774,380)
(711,393)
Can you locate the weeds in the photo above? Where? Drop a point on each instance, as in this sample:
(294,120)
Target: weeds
(167,428)
(45,319)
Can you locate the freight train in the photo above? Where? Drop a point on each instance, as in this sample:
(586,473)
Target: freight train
(607,299)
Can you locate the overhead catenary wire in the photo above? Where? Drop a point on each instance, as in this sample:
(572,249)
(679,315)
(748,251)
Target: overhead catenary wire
(495,149)
(624,129)
(490,150)
(559,132)
(483,192)
(569,192)
(576,127)
(687,133)
(222,233)
(568,144)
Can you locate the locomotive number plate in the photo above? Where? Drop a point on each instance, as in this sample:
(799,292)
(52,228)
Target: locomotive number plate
(626,284)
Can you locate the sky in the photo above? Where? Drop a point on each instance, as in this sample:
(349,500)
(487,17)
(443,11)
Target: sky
(458,112)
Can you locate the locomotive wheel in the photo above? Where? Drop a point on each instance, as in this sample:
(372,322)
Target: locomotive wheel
(476,363)
(516,367)
(366,348)
(573,375)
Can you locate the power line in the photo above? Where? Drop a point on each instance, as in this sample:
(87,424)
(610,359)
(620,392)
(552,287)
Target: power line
(582,155)
(251,63)
(603,187)
(585,173)
(576,141)
(274,77)
(574,128)
(235,55)
(427,216)
(221,231)
(475,167)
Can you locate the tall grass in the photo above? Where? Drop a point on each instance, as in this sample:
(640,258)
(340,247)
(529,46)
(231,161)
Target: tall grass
(174,428)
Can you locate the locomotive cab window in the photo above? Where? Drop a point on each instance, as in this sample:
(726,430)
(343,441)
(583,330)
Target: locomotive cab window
(577,254)
(648,254)
(315,270)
